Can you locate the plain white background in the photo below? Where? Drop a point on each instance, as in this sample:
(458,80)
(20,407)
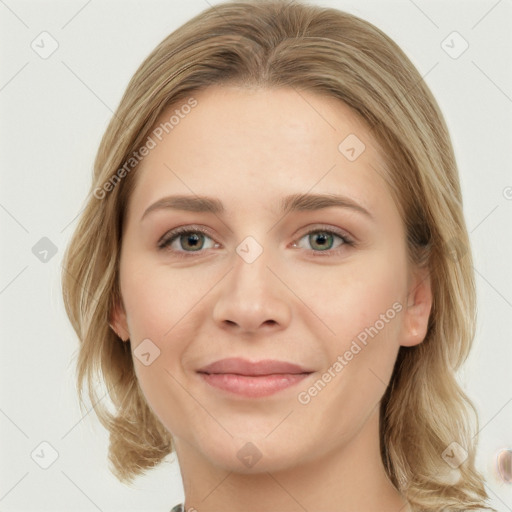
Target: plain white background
(53,114)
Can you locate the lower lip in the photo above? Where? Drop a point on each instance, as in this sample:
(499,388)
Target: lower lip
(253,386)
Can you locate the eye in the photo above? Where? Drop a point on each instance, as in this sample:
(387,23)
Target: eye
(322,241)
(187,240)
(179,240)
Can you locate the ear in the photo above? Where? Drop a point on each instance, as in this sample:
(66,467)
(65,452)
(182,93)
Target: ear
(118,321)
(418,307)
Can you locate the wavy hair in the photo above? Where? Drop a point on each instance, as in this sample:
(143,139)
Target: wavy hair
(273,43)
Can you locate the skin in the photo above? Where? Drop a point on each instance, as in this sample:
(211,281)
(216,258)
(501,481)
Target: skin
(249,148)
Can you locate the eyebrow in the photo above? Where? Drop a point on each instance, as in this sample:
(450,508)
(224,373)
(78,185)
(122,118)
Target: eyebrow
(291,203)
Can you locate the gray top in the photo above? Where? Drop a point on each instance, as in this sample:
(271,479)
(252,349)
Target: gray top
(178,508)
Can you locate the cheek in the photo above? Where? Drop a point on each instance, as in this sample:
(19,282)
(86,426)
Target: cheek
(162,305)
(156,298)
(350,298)
(362,306)
(158,307)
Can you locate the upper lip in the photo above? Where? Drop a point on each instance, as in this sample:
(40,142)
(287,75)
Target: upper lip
(241,366)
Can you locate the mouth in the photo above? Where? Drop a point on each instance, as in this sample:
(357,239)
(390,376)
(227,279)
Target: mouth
(252,379)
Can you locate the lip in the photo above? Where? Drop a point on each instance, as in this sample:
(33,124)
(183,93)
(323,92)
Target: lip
(253,379)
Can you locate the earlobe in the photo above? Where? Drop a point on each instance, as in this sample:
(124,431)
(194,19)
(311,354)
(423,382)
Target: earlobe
(118,322)
(417,311)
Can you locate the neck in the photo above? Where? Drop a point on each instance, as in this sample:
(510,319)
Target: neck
(351,477)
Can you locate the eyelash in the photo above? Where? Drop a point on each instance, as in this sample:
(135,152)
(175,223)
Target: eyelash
(169,237)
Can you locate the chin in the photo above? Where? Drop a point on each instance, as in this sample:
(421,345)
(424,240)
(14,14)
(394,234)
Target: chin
(252,457)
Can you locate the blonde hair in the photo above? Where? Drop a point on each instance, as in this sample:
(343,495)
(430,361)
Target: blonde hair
(329,52)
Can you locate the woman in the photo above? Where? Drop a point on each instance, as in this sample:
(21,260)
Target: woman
(254,139)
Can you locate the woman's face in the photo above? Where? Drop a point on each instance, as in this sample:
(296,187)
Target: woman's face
(322,286)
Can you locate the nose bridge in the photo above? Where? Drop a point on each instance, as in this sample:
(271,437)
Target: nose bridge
(251,274)
(251,295)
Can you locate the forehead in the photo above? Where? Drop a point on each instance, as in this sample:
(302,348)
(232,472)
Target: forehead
(251,146)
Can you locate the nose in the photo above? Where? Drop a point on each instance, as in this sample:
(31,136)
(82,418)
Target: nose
(252,298)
